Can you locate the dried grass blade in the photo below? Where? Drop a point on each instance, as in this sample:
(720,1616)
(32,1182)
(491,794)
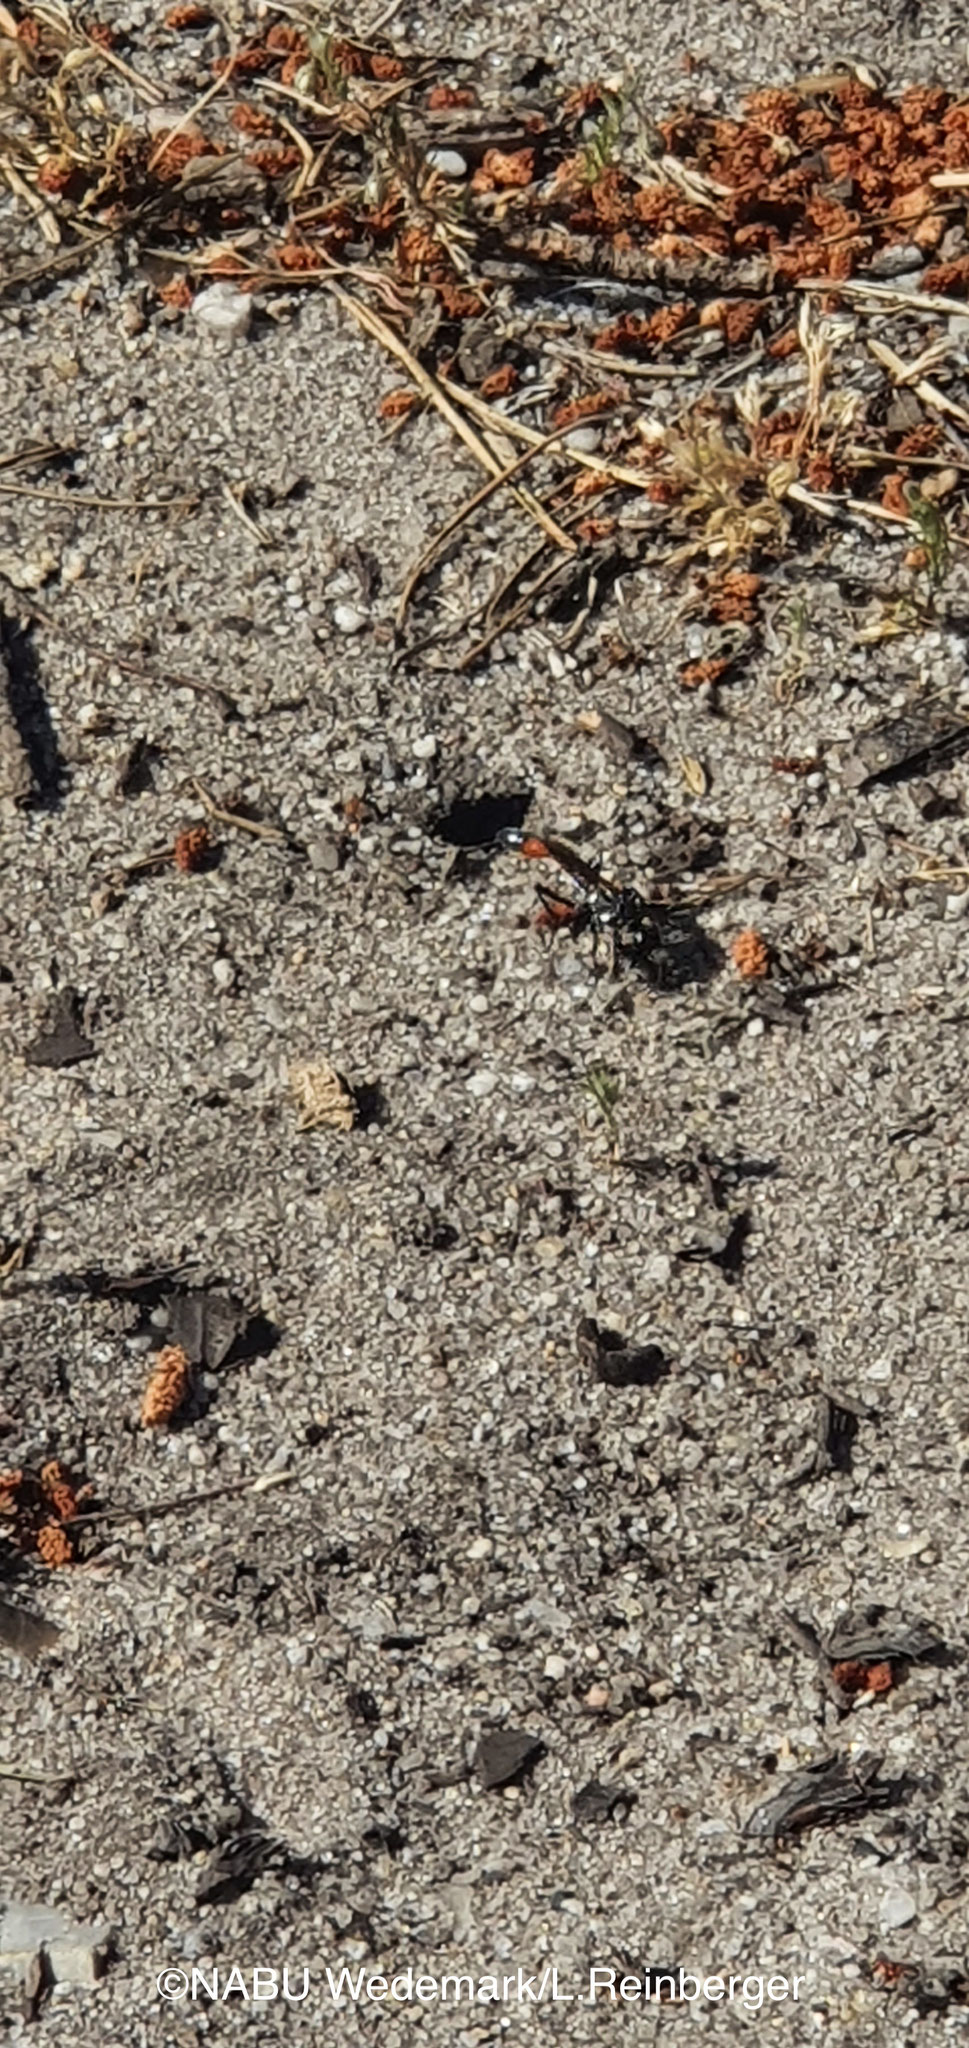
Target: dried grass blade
(381,332)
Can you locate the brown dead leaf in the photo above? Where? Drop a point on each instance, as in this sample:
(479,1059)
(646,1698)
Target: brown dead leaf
(322,1097)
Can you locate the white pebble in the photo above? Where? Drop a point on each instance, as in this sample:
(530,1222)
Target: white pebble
(586,439)
(555,1667)
(482,1083)
(224,311)
(223,974)
(448,162)
(348,618)
(425,748)
(898,1909)
(756,1027)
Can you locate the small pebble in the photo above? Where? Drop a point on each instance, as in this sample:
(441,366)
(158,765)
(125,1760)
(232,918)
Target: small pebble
(425,748)
(348,618)
(597,1698)
(894,262)
(555,1667)
(448,162)
(586,439)
(898,1909)
(132,320)
(223,974)
(223,311)
(482,1083)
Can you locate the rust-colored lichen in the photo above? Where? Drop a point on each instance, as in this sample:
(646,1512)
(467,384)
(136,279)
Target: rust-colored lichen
(192,847)
(166,1389)
(855,1676)
(750,955)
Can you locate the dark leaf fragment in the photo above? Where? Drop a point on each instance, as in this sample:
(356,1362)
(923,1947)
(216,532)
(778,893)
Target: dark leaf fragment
(235,1865)
(832,1790)
(921,739)
(614,1361)
(596,1802)
(63,1043)
(874,1638)
(506,1756)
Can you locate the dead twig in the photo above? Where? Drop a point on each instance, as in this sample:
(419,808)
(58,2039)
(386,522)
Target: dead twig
(542,445)
(434,391)
(170,1503)
(235,818)
(517,431)
(72,498)
(110,659)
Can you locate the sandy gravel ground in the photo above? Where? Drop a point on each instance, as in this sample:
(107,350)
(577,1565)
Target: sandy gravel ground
(474,1531)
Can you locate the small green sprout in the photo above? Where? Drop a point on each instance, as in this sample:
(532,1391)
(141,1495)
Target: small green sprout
(601,145)
(604,1089)
(933,531)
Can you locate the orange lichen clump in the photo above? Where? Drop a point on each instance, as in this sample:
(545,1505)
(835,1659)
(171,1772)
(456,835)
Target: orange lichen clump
(166,1389)
(190,16)
(395,405)
(750,956)
(191,848)
(499,382)
(575,409)
(736,597)
(697,673)
(856,1677)
(501,168)
(36,1506)
(178,150)
(54,1546)
(443,96)
(58,1489)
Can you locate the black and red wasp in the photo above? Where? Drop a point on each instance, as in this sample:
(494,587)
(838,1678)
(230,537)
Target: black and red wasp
(598,904)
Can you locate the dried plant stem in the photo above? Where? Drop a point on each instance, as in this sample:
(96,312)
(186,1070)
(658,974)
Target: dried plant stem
(25,604)
(233,817)
(173,1501)
(432,389)
(516,429)
(884,296)
(543,444)
(71,498)
(910,373)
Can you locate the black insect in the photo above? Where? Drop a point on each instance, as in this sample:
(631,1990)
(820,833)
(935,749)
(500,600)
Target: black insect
(597,904)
